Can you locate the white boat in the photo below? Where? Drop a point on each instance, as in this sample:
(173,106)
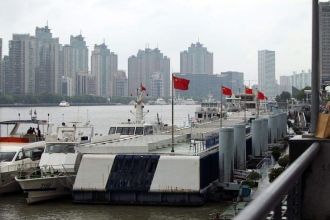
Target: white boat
(160,101)
(209,109)
(64,104)
(20,148)
(14,155)
(190,102)
(58,165)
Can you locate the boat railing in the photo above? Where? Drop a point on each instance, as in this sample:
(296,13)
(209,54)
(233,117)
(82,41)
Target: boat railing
(285,190)
(17,167)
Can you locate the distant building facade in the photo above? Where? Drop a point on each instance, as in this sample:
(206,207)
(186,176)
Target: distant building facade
(202,85)
(102,67)
(22,64)
(324,36)
(301,80)
(85,84)
(286,84)
(142,66)
(235,81)
(196,60)
(157,89)
(2,78)
(266,73)
(119,83)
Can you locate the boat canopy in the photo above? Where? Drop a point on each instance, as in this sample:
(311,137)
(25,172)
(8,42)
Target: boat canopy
(40,122)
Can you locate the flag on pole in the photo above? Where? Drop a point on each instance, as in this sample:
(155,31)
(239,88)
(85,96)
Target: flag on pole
(180,83)
(266,97)
(143,88)
(248,91)
(261,96)
(226,91)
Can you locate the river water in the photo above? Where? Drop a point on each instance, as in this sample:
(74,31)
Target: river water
(15,207)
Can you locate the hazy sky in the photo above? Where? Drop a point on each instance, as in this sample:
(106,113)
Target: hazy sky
(234,30)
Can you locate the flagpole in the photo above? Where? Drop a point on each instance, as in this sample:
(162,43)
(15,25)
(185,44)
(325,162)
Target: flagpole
(172,114)
(221,107)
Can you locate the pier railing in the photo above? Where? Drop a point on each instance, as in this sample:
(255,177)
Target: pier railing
(282,199)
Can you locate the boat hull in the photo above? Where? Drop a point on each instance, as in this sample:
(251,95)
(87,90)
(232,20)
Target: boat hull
(8,184)
(42,189)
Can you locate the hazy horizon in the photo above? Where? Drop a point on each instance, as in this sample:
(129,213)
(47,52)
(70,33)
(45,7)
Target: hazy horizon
(233,31)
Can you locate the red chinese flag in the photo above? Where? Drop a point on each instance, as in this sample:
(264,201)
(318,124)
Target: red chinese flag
(180,83)
(143,88)
(226,91)
(261,96)
(248,91)
(266,97)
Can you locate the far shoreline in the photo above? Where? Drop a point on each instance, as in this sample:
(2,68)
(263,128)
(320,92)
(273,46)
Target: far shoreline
(56,104)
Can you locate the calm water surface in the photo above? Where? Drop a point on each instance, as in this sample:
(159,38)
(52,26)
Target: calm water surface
(15,207)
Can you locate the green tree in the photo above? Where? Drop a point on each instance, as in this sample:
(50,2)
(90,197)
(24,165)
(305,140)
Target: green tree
(254,176)
(274,173)
(278,98)
(284,161)
(285,96)
(301,95)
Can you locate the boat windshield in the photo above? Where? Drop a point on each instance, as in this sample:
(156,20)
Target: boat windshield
(7,156)
(139,131)
(60,148)
(112,130)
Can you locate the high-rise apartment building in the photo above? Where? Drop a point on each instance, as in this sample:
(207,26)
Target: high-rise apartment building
(22,64)
(324,41)
(301,80)
(143,66)
(1,71)
(157,89)
(102,67)
(48,75)
(197,60)
(286,84)
(235,81)
(266,73)
(6,74)
(85,84)
(119,83)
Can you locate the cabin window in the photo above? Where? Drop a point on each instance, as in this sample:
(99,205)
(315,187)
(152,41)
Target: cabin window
(20,156)
(119,130)
(34,154)
(125,131)
(131,131)
(112,130)
(139,131)
(148,130)
(60,148)
(200,115)
(7,156)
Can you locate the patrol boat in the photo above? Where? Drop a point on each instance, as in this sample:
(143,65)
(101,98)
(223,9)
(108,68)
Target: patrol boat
(58,165)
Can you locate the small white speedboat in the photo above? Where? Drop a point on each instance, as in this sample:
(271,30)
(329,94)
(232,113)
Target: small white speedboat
(64,104)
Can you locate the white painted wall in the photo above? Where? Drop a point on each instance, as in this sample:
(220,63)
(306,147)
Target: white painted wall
(177,174)
(93,172)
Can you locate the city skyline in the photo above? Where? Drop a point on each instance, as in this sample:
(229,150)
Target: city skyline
(130,31)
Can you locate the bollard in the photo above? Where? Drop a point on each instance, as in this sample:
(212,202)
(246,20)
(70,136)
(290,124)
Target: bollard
(272,128)
(226,145)
(240,147)
(257,138)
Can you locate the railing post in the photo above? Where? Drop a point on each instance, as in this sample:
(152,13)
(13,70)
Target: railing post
(278,211)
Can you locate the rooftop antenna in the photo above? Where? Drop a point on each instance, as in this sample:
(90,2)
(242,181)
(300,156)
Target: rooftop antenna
(80,31)
(198,40)
(103,40)
(47,23)
(157,45)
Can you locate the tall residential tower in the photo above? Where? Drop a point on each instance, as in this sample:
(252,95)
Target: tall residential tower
(266,73)
(197,60)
